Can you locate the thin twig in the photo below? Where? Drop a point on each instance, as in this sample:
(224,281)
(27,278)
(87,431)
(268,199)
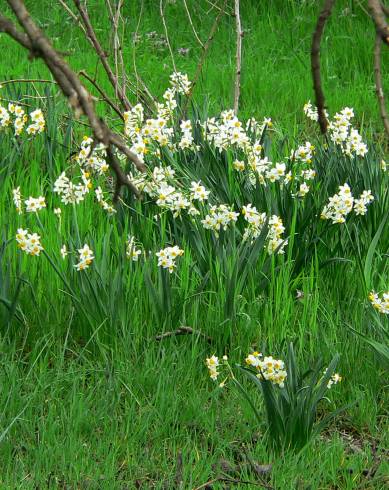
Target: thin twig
(119,48)
(191,24)
(213,5)
(179,470)
(27,80)
(102,93)
(205,52)
(228,480)
(72,15)
(167,34)
(182,331)
(238,67)
(91,35)
(117,45)
(143,93)
(315,63)
(378,83)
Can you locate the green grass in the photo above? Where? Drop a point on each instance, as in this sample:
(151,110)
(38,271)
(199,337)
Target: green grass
(276,75)
(89,398)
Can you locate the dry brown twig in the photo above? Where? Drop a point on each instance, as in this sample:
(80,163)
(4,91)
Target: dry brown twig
(27,80)
(72,15)
(213,5)
(38,45)
(205,52)
(161,9)
(103,56)
(102,93)
(315,63)
(115,17)
(184,330)
(238,66)
(191,24)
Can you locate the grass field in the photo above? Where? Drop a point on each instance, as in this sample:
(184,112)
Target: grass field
(90,397)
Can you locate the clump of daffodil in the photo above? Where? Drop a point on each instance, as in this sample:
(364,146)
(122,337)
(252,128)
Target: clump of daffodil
(28,242)
(342,203)
(85,258)
(268,369)
(213,363)
(132,252)
(16,114)
(168,256)
(380,302)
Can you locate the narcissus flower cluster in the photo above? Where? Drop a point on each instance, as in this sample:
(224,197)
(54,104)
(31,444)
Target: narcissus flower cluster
(132,251)
(17,200)
(380,303)
(168,256)
(28,242)
(335,379)
(219,217)
(85,258)
(71,193)
(342,203)
(92,158)
(269,369)
(256,220)
(35,204)
(16,114)
(212,365)
(341,131)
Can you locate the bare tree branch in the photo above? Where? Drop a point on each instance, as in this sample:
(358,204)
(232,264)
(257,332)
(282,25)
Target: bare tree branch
(378,83)
(315,63)
(8,27)
(239,35)
(385,9)
(379,18)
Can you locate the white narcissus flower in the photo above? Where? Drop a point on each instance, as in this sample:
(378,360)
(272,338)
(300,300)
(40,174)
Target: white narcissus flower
(212,364)
(28,242)
(132,252)
(167,257)
(268,368)
(17,199)
(381,304)
(33,205)
(198,192)
(64,252)
(85,258)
